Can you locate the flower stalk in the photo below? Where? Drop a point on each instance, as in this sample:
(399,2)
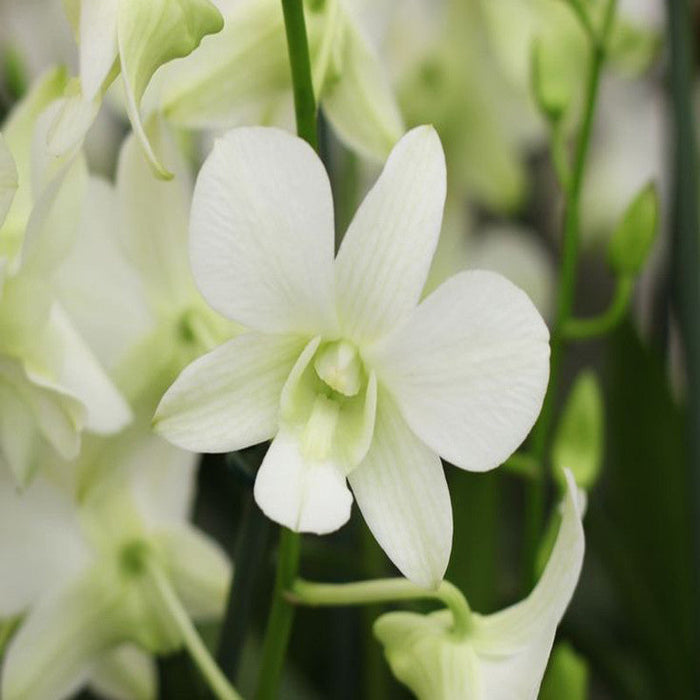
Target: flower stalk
(190,637)
(534,516)
(386,590)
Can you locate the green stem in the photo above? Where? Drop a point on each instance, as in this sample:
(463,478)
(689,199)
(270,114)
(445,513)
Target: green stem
(584,328)
(534,507)
(384,590)
(279,624)
(193,642)
(300,63)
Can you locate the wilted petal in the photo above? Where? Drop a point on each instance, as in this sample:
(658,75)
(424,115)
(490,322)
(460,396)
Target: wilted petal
(385,257)
(151,34)
(127,673)
(401,490)
(229,398)
(198,568)
(469,370)
(301,494)
(262,232)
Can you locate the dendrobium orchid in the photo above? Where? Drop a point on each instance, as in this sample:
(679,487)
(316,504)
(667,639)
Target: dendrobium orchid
(348,375)
(51,385)
(501,656)
(133,39)
(83,580)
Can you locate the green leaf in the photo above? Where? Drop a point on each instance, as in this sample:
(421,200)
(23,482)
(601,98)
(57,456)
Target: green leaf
(578,443)
(635,234)
(566,676)
(152,34)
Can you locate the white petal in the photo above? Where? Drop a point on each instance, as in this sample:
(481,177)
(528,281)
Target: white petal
(8,179)
(229,398)
(72,120)
(262,232)
(81,375)
(41,544)
(469,370)
(385,257)
(301,495)
(127,673)
(98,43)
(401,490)
(514,628)
(97,286)
(60,642)
(199,569)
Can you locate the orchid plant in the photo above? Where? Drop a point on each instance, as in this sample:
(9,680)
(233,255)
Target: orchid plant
(206,297)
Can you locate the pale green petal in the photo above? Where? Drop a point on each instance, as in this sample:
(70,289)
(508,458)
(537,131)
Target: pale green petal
(534,620)
(98,44)
(198,568)
(469,370)
(81,375)
(401,490)
(8,179)
(360,104)
(74,117)
(385,256)
(41,544)
(302,494)
(261,233)
(62,640)
(126,673)
(229,398)
(425,658)
(237,77)
(151,34)
(154,217)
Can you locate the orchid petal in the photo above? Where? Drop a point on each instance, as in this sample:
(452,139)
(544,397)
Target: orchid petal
(229,398)
(98,44)
(199,569)
(41,544)
(401,490)
(385,257)
(301,494)
(126,673)
(469,370)
(262,232)
(151,34)
(8,179)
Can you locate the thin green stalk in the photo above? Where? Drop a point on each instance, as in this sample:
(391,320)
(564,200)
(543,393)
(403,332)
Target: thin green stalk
(193,642)
(300,63)
(384,590)
(279,624)
(535,499)
(586,328)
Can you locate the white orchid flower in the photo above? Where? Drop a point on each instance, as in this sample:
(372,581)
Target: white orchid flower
(133,39)
(78,575)
(348,376)
(503,655)
(241,76)
(51,385)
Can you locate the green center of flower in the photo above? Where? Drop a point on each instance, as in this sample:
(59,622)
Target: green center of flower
(340,367)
